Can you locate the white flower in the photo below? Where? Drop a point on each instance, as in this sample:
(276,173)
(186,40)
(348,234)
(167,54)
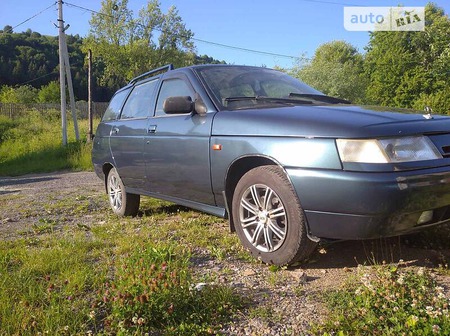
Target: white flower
(436,329)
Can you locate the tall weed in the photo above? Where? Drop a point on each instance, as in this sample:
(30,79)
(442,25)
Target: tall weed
(33,143)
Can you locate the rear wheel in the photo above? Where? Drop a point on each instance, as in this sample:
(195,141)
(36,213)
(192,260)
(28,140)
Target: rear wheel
(121,202)
(268,217)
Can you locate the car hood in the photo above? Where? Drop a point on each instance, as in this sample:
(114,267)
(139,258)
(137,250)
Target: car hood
(335,121)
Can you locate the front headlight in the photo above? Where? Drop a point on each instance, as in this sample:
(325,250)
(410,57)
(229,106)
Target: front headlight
(393,150)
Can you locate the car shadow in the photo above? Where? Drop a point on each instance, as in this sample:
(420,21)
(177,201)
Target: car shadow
(164,209)
(349,254)
(7,181)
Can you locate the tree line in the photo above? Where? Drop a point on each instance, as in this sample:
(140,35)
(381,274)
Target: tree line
(123,47)
(400,69)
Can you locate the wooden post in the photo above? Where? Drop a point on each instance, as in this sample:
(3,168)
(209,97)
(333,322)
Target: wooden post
(90,132)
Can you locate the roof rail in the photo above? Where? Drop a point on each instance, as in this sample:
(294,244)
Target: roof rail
(164,68)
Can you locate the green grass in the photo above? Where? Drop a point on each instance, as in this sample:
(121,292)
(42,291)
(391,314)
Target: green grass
(126,276)
(388,300)
(33,144)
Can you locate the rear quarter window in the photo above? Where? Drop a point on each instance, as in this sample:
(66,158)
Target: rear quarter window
(140,102)
(115,105)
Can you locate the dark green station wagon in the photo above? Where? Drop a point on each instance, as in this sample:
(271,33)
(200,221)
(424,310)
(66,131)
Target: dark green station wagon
(285,163)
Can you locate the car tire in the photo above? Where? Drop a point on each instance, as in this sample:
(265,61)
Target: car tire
(268,217)
(121,202)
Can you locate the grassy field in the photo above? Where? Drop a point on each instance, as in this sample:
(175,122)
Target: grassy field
(33,143)
(123,276)
(131,276)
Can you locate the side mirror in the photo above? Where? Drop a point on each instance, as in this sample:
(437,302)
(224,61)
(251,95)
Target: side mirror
(178,105)
(184,104)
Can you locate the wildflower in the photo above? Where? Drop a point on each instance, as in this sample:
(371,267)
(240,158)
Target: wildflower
(141,321)
(92,315)
(401,280)
(420,271)
(134,319)
(436,329)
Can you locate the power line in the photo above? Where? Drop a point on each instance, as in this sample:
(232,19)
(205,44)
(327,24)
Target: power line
(30,18)
(200,40)
(245,49)
(86,9)
(36,79)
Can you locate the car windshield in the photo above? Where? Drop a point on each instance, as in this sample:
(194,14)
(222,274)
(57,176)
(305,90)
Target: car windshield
(238,87)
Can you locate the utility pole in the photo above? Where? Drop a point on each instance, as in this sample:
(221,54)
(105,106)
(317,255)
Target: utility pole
(62,78)
(70,88)
(64,70)
(90,132)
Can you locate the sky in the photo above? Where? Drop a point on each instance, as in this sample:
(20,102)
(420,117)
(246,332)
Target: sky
(277,32)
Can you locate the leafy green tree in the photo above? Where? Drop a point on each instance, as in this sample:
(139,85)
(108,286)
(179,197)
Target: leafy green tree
(124,47)
(336,69)
(49,93)
(411,69)
(25,94)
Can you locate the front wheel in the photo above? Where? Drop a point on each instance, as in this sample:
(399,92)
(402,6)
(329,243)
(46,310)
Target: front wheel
(268,217)
(121,202)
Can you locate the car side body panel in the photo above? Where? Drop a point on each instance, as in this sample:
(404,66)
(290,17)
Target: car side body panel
(190,158)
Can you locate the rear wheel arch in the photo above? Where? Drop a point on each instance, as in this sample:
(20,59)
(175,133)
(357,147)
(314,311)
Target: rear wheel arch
(106,169)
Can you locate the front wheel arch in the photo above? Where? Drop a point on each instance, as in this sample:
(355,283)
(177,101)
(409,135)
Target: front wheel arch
(235,172)
(268,217)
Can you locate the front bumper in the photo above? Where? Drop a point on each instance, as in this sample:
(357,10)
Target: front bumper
(363,205)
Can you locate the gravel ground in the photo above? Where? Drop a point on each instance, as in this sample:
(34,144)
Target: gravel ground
(285,302)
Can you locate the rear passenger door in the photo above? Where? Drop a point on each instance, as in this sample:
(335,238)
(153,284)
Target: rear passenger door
(177,147)
(129,131)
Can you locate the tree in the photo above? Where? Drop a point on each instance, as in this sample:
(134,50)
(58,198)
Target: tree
(336,69)
(411,69)
(124,46)
(25,94)
(49,93)
(30,57)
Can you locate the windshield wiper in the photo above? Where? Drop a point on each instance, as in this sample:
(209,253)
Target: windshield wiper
(320,98)
(268,99)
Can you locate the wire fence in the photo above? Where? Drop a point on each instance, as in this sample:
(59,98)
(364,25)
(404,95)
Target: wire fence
(14,110)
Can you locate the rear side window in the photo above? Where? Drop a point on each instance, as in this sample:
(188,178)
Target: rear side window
(113,110)
(140,102)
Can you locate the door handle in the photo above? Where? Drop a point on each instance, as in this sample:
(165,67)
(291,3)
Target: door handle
(152,129)
(114,130)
